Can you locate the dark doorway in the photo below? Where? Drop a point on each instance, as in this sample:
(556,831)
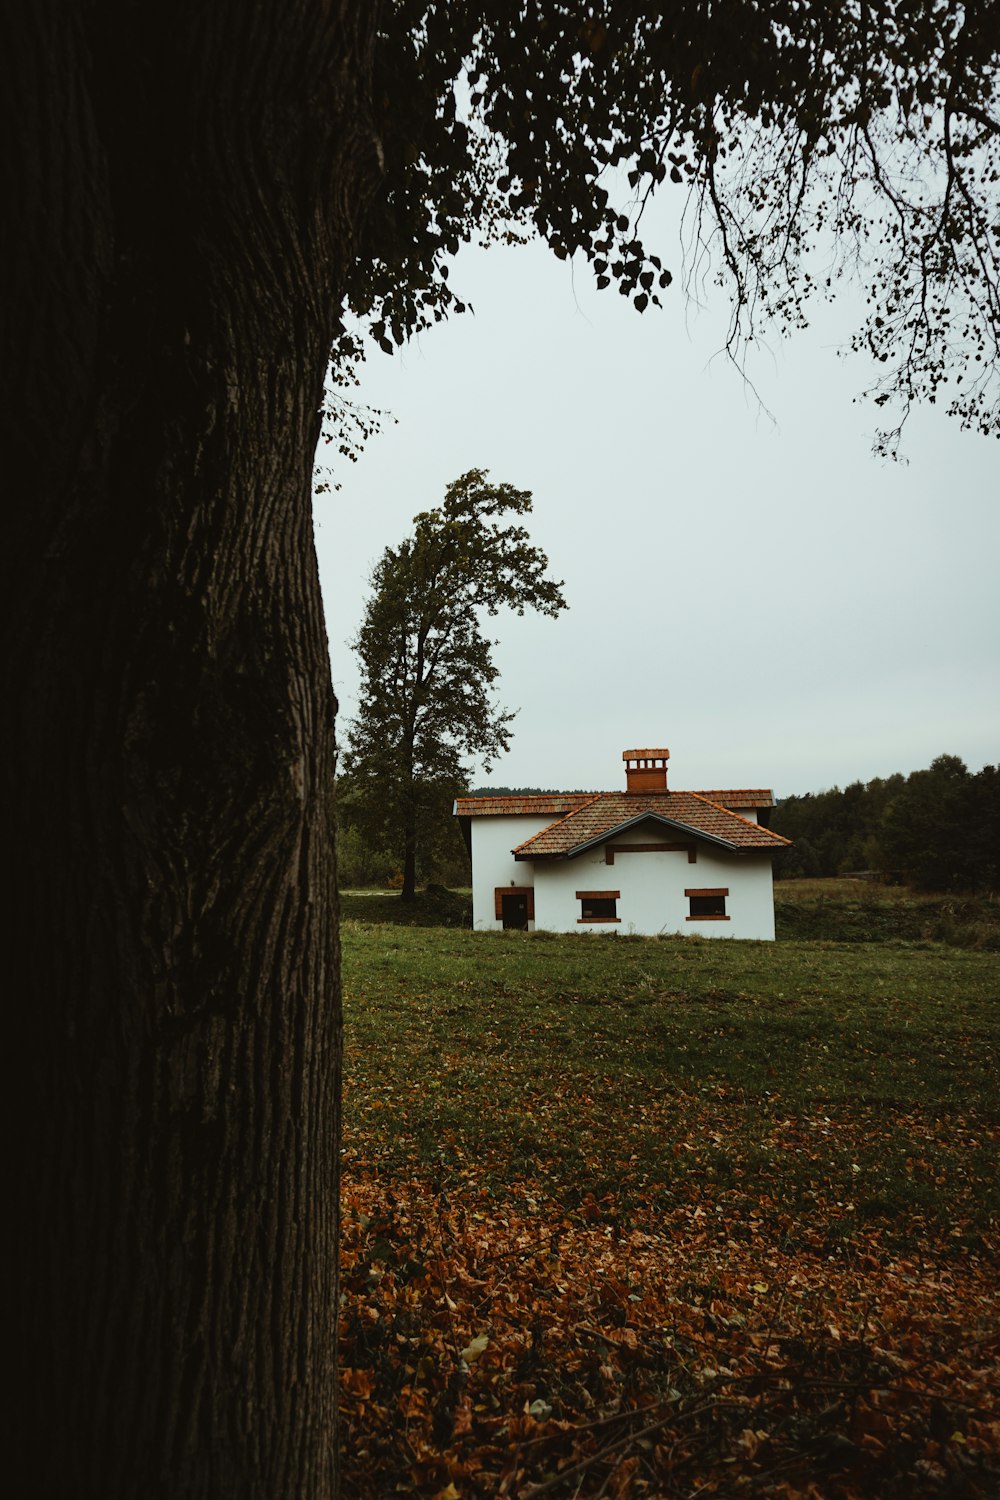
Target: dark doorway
(514,912)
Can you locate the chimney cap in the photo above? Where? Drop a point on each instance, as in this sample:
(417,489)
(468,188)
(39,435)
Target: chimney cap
(662,754)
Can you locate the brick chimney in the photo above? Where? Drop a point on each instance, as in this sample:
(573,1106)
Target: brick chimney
(645,770)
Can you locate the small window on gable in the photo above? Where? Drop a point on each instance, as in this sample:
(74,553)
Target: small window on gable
(707,905)
(598,906)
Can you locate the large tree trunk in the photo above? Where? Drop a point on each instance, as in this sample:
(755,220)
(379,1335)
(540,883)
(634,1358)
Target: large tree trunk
(188,195)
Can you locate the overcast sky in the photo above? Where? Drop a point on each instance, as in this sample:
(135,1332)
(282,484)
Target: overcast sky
(768,599)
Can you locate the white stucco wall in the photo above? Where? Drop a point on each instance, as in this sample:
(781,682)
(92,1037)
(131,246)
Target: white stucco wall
(652,887)
(493,864)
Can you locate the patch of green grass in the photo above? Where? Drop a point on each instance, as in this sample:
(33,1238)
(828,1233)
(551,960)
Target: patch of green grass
(434,907)
(852,1081)
(850,910)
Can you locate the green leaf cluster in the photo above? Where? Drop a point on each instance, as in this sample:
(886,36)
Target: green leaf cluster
(860,137)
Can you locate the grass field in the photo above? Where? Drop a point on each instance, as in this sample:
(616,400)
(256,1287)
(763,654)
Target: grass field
(848,910)
(700,1119)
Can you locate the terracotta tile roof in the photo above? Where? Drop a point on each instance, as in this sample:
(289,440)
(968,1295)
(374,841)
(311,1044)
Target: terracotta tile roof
(545,805)
(758,797)
(611,812)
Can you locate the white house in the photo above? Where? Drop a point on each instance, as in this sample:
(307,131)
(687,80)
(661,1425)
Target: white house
(646,860)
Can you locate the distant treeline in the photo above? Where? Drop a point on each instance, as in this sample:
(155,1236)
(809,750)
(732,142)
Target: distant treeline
(936,830)
(366,859)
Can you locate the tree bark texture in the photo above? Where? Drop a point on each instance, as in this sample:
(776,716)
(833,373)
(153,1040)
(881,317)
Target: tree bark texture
(187,183)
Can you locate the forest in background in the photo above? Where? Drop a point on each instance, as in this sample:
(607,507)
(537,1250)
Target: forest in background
(936,829)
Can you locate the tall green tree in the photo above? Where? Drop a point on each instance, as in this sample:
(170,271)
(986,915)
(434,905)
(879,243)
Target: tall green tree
(427,669)
(941,831)
(196,194)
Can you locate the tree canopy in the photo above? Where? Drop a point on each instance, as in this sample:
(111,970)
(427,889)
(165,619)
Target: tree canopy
(937,829)
(812,140)
(427,668)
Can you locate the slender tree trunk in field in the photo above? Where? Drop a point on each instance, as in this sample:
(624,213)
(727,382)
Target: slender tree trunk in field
(409,889)
(187,189)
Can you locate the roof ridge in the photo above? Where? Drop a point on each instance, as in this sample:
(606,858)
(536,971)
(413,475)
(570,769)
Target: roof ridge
(529,797)
(736,791)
